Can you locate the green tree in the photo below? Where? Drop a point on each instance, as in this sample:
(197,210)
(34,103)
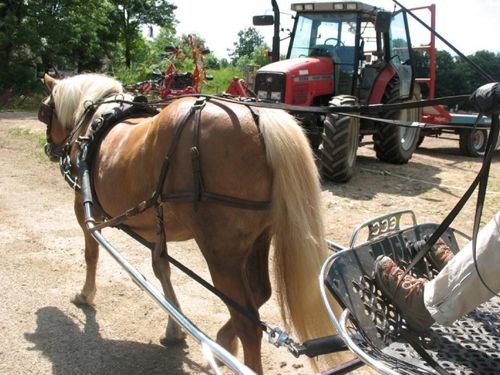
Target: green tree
(448,78)
(488,61)
(261,55)
(12,14)
(71,33)
(248,40)
(131,15)
(36,34)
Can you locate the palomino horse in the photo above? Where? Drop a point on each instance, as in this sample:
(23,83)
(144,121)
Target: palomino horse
(246,154)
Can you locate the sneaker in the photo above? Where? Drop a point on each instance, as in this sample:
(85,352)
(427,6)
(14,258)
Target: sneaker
(406,294)
(439,255)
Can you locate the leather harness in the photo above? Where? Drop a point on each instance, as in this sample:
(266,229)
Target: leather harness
(98,129)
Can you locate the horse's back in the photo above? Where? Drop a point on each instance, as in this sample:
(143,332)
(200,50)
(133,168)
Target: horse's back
(227,150)
(231,151)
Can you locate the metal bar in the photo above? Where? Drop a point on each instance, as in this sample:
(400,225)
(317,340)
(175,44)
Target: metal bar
(480,70)
(171,310)
(153,292)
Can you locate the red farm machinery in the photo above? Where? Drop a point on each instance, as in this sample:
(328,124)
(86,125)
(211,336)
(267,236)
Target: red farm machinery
(349,54)
(172,82)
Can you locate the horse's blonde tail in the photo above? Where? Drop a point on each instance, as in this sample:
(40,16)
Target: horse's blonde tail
(299,243)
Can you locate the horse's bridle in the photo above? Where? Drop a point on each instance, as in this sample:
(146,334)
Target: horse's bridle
(46,114)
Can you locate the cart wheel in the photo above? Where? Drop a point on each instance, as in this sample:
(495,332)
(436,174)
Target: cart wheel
(340,142)
(473,142)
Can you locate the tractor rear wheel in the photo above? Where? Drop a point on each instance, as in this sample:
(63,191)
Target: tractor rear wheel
(340,140)
(396,144)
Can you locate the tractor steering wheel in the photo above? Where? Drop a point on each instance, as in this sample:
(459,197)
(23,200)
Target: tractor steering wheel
(337,41)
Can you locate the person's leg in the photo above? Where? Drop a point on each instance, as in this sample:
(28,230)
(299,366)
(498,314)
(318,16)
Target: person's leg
(457,289)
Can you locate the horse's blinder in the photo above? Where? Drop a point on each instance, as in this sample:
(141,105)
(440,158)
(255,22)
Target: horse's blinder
(46,114)
(46,111)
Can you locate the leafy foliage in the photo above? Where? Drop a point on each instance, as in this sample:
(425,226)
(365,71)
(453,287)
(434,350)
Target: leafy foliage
(109,36)
(248,40)
(455,76)
(130,15)
(76,35)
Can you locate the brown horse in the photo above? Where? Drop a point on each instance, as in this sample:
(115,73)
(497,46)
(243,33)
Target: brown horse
(268,160)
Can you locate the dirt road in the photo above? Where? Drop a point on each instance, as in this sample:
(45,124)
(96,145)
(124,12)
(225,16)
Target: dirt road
(42,265)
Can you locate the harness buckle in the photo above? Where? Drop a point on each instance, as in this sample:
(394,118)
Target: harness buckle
(200,102)
(277,337)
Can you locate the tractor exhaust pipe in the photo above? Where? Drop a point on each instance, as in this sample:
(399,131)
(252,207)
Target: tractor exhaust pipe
(275,56)
(268,21)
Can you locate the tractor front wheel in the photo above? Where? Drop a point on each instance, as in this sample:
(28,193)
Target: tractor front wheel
(340,140)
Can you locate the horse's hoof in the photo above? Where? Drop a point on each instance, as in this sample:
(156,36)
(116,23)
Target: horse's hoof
(81,299)
(170,340)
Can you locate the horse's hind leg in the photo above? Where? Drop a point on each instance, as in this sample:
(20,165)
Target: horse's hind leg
(161,268)
(229,280)
(257,269)
(257,272)
(87,295)
(245,279)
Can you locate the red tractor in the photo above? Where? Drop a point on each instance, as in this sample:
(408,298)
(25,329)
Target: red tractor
(345,53)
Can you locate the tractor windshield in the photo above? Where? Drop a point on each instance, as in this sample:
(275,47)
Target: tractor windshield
(322,34)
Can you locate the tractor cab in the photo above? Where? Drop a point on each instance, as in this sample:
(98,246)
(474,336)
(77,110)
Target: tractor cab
(340,48)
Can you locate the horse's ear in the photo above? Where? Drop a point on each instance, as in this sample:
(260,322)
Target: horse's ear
(49,82)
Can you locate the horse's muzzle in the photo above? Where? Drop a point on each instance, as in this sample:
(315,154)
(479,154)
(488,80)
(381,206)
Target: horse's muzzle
(53,152)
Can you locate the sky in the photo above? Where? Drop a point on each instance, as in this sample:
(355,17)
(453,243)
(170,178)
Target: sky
(470,26)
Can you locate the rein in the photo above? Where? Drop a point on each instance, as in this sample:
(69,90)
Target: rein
(487,100)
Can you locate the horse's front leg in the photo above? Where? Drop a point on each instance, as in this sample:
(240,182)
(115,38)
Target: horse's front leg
(87,295)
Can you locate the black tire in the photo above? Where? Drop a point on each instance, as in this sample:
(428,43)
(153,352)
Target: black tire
(340,140)
(473,142)
(396,144)
(420,140)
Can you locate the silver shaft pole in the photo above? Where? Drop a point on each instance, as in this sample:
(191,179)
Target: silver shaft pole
(171,310)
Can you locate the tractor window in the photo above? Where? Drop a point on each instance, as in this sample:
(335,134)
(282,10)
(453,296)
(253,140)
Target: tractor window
(321,34)
(400,52)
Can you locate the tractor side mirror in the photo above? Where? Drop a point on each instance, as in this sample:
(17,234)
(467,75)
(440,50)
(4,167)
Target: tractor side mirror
(263,20)
(383,22)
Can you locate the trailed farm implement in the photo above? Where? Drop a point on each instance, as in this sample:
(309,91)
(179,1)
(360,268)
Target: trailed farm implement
(173,82)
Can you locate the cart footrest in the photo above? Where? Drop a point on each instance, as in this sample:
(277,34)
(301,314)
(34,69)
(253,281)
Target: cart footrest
(377,331)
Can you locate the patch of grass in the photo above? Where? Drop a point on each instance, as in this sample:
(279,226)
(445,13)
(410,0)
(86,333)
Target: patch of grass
(38,140)
(221,79)
(23,103)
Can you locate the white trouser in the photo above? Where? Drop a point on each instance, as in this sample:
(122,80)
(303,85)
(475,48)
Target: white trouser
(457,289)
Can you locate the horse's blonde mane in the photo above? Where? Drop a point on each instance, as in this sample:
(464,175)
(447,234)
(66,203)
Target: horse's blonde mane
(72,96)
